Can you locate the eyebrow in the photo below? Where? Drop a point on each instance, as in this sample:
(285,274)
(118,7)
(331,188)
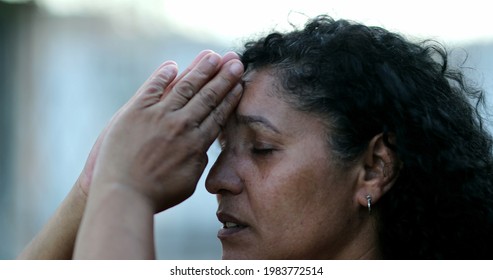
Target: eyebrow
(248,119)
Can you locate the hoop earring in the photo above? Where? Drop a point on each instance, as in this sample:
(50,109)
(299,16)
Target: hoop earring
(368,201)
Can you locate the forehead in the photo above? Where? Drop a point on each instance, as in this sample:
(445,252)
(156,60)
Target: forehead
(262,94)
(263,98)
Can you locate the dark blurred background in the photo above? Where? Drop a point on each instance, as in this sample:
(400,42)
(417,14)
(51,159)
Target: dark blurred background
(67,65)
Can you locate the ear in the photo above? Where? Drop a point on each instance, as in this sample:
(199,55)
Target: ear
(378,170)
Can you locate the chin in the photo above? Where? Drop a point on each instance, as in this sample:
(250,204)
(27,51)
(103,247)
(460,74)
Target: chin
(238,255)
(234,256)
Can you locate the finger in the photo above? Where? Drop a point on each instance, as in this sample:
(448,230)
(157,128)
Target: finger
(186,88)
(188,69)
(207,99)
(217,119)
(229,56)
(139,92)
(144,85)
(164,64)
(152,90)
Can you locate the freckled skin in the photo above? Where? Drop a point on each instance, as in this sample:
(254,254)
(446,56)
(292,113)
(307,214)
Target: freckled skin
(296,203)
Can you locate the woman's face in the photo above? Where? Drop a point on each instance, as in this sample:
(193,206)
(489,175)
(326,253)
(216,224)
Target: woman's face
(280,194)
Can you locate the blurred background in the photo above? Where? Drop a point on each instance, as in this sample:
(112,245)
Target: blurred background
(67,65)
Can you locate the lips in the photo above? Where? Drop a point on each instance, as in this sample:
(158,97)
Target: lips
(231,225)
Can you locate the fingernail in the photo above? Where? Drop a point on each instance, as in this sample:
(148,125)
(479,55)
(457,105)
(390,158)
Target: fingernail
(204,53)
(236,68)
(169,69)
(214,59)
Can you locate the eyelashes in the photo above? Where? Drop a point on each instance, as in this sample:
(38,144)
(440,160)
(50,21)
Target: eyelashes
(256,148)
(262,151)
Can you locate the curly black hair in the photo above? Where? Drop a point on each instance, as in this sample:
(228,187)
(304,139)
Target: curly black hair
(366,81)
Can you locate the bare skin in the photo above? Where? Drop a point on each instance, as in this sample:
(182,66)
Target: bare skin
(148,158)
(282,194)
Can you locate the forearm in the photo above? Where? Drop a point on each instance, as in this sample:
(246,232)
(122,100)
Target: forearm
(57,238)
(118,224)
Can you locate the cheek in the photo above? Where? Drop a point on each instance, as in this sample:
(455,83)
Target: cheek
(291,191)
(298,211)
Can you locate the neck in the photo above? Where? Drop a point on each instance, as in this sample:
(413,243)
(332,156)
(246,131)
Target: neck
(373,253)
(364,244)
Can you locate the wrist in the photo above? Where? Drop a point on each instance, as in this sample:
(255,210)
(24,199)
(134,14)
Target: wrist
(119,193)
(82,186)
(105,188)
(118,224)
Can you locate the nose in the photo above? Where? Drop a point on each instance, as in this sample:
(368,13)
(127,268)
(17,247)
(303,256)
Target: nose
(223,177)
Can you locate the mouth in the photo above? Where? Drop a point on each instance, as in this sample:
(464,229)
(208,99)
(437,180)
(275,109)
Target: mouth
(231,226)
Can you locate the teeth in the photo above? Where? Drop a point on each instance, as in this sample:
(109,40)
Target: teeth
(230,225)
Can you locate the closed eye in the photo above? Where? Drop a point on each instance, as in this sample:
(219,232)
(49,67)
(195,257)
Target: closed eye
(262,151)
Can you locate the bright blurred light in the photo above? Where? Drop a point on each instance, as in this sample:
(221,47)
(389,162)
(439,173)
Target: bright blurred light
(15,1)
(437,19)
(229,21)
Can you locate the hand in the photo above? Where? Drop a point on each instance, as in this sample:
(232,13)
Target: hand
(156,144)
(85,178)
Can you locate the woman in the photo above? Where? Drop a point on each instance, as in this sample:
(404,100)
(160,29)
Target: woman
(349,142)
